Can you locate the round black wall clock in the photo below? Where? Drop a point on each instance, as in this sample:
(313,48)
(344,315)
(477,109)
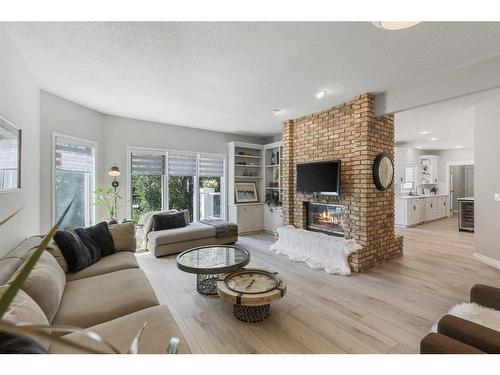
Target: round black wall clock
(383,172)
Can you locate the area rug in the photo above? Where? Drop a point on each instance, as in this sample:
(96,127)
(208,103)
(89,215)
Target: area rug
(317,250)
(475,313)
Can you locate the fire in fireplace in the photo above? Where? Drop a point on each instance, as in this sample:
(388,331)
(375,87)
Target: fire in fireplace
(326,218)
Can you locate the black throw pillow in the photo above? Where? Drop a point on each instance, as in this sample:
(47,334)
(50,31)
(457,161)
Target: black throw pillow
(102,236)
(90,244)
(19,344)
(76,254)
(169,221)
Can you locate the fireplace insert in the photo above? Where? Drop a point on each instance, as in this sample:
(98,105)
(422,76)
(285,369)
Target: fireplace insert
(326,218)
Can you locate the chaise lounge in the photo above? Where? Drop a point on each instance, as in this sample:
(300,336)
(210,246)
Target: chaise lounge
(172,241)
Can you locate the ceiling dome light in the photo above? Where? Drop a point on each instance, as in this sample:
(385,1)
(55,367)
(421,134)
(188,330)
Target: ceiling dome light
(277,112)
(320,94)
(395,25)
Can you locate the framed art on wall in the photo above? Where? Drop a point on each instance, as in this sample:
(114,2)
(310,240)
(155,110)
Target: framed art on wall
(245,192)
(10,156)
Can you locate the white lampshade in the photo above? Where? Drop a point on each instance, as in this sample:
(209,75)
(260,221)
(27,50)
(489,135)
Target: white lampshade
(395,25)
(114,171)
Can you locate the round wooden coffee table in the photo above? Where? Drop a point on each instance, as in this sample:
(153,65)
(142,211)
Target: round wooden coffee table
(251,291)
(208,262)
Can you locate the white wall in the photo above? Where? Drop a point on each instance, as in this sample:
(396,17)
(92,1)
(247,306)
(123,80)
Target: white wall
(449,156)
(475,78)
(487,178)
(19,103)
(120,132)
(58,115)
(113,135)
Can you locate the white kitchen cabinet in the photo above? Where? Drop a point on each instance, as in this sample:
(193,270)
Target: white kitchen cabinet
(429,169)
(443,206)
(250,217)
(408,212)
(423,210)
(411,211)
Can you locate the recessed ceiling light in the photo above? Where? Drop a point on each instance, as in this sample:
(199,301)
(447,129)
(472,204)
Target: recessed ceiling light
(277,112)
(434,139)
(320,94)
(395,25)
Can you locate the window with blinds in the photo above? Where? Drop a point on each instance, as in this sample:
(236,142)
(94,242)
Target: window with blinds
(10,139)
(74,155)
(181,180)
(181,164)
(74,180)
(211,167)
(144,164)
(409,178)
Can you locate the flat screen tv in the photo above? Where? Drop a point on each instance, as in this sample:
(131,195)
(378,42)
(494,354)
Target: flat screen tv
(319,178)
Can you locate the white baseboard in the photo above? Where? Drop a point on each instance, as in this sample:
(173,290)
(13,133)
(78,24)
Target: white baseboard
(487,260)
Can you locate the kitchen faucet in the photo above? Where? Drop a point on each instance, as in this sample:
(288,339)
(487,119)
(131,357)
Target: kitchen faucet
(416,190)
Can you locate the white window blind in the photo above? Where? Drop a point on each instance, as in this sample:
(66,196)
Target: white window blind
(9,158)
(147,164)
(74,155)
(410,174)
(8,152)
(181,164)
(211,167)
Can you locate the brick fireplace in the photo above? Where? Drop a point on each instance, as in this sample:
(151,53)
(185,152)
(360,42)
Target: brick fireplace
(351,133)
(325,218)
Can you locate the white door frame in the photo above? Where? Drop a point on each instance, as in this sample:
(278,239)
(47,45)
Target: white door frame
(450,164)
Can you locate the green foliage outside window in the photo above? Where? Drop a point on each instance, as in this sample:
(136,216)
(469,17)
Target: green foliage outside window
(180,193)
(147,193)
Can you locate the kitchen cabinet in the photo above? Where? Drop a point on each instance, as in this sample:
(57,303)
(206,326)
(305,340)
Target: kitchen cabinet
(429,169)
(411,211)
(431,209)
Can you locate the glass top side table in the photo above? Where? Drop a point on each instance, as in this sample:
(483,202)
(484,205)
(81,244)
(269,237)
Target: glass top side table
(208,262)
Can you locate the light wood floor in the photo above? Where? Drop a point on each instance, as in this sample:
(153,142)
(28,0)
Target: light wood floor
(386,310)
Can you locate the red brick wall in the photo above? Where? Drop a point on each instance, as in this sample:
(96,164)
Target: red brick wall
(349,132)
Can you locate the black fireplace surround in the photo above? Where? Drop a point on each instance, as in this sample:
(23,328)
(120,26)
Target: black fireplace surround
(325,218)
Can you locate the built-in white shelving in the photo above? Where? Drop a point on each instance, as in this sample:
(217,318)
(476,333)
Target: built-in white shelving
(245,164)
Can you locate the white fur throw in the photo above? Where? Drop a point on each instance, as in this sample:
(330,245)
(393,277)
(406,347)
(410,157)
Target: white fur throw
(475,313)
(317,250)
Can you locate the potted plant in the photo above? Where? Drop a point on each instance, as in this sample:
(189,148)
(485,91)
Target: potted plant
(273,200)
(109,199)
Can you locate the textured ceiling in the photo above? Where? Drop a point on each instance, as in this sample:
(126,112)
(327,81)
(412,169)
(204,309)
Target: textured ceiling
(229,76)
(447,125)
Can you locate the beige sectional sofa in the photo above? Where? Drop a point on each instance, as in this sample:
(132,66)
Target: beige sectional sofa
(112,298)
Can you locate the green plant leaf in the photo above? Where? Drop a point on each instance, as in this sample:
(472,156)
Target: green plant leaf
(12,290)
(172,347)
(134,346)
(10,216)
